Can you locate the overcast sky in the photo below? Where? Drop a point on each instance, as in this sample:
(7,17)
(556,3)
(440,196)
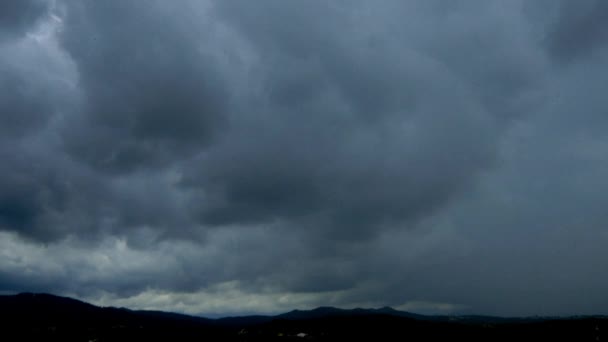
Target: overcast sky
(237,156)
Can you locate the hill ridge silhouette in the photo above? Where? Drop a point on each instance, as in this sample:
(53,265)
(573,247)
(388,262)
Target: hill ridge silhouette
(42,316)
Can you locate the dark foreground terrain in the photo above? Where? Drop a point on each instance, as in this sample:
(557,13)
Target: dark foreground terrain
(43,317)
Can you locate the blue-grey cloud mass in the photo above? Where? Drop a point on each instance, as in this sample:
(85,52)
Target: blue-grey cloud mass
(221,157)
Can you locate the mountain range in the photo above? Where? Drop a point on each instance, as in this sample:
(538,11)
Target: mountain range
(45,317)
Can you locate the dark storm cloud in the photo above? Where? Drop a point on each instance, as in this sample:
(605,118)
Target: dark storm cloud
(30,90)
(230,156)
(34,89)
(581,29)
(25,104)
(151,91)
(28,193)
(352,130)
(17,17)
(50,197)
(337,129)
(104,88)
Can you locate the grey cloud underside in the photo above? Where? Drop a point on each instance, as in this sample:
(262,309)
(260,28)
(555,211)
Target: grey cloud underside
(152,94)
(348,132)
(17,17)
(581,30)
(321,153)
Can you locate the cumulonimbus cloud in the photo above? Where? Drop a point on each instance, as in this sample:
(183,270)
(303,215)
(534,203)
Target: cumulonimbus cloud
(340,151)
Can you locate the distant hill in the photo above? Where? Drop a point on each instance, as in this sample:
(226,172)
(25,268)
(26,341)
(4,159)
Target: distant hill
(325,311)
(44,317)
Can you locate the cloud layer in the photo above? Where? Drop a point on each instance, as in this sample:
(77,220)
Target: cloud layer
(236,156)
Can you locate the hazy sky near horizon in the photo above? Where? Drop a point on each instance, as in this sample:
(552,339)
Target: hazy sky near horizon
(235,156)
